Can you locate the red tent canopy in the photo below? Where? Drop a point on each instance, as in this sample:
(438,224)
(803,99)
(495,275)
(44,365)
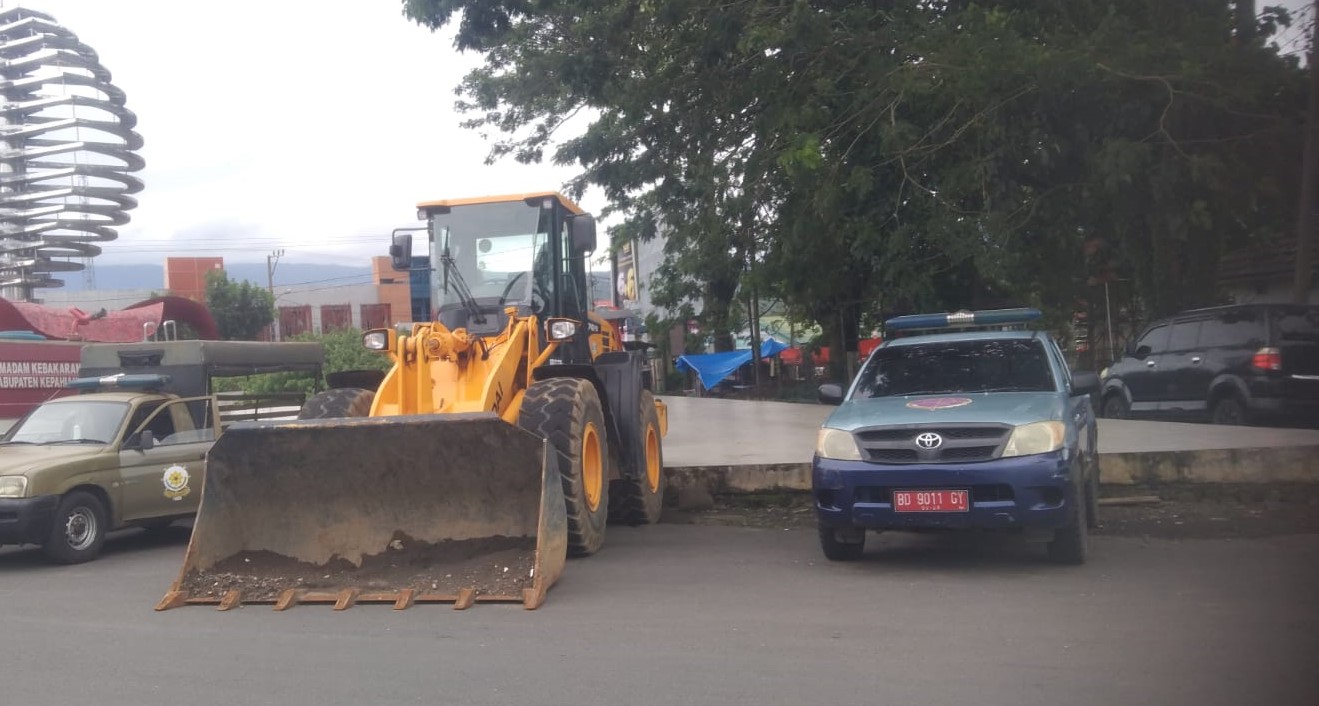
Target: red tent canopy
(125,326)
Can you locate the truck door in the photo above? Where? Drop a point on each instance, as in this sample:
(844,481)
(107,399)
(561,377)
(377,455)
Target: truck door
(164,480)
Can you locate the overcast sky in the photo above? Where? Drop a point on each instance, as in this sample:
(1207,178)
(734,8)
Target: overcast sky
(308,125)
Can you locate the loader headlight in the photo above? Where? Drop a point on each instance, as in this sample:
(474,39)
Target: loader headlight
(13,486)
(836,444)
(376,340)
(561,329)
(1037,438)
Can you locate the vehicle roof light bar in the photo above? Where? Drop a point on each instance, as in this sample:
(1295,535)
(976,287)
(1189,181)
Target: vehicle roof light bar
(121,381)
(963,319)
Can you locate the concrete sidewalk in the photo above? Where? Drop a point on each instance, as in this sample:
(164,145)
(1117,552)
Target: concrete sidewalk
(736,445)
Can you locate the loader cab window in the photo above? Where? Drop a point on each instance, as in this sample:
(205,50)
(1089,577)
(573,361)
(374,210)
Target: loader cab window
(485,258)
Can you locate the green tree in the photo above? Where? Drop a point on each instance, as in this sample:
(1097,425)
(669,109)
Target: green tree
(241,309)
(852,158)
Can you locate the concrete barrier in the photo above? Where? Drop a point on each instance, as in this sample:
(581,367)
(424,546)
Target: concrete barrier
(720,447)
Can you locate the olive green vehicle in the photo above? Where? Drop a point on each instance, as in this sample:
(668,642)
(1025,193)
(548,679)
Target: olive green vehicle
(130,450)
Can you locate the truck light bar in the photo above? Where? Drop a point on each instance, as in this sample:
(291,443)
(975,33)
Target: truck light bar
(958,319)
(122,381)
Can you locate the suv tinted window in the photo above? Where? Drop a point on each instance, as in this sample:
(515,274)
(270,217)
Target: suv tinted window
(1184,335)
(1235,328)
(1153,341)
(1297,324)
(956,366)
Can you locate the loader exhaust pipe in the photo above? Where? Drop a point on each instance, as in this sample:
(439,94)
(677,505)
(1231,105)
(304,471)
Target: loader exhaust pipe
(455,508)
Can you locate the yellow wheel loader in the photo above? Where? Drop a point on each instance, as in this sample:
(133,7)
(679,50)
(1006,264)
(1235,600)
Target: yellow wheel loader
(508,431)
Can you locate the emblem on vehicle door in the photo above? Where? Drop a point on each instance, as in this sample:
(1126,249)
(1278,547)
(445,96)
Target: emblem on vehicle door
(176,482)
(929,440)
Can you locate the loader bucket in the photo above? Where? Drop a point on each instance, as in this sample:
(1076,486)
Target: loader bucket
(453,508)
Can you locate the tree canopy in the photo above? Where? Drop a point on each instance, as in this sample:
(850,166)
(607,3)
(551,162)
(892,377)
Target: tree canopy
(241,309)
(857,158)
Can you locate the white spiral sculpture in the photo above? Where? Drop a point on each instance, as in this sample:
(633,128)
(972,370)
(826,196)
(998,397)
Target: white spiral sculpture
(67,148)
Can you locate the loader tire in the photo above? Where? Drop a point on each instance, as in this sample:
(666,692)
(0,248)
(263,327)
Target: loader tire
(338,403)
(567,411)
(640,500)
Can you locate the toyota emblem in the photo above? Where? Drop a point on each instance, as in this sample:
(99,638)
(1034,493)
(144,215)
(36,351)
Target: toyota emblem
(929,440)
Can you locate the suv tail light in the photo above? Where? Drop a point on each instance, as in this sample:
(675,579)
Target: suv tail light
(1267,359)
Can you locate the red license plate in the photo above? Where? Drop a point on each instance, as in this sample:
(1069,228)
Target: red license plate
(931,501)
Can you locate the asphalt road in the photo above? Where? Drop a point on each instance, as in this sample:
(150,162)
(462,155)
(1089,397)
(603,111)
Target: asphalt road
(689,614)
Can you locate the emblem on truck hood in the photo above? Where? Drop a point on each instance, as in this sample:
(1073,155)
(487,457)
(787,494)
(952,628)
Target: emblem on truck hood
(934,403)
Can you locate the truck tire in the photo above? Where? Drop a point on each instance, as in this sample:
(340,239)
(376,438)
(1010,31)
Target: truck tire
(567,412)
(338,403)
(835,550)
(1229,410)
(1071,543)
(640,500)
(1115,406)
(78,531)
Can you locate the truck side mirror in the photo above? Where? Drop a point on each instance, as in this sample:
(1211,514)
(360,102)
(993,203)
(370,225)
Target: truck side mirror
(1086,383)
(143,441)
(400,251)
(582,231)
(831,393)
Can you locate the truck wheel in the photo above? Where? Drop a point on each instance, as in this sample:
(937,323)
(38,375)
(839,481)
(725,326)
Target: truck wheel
(1115,406)
(78,531)
(1071,543)
(835,550)
(338,403)
(640,500)
(567,411)
(1229,410)
(1092,494)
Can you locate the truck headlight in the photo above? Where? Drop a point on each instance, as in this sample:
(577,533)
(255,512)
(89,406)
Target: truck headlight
(836,444)
(1037,438)
(13,486)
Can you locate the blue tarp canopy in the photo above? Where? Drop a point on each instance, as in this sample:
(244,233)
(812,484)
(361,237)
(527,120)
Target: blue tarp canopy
(712,368)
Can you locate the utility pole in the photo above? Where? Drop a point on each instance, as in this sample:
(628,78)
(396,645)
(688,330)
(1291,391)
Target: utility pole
(272,261)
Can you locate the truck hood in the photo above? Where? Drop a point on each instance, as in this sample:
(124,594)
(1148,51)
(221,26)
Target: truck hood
(1013,408)
(20,458)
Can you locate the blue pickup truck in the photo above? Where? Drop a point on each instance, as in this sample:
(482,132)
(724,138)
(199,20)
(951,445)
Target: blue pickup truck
(962,421)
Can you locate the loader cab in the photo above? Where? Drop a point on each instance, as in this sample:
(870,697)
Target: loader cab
(487,254)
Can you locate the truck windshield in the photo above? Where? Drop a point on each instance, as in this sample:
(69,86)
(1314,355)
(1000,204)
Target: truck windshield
(1008,365)
(69,423)
(490,255)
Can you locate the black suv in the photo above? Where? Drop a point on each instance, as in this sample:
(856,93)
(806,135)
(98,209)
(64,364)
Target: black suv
(1231,365)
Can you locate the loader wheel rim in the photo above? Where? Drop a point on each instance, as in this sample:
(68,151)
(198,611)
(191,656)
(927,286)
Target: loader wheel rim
(652,460)
(593,476)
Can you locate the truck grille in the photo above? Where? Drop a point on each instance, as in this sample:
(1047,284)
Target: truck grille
(960,443)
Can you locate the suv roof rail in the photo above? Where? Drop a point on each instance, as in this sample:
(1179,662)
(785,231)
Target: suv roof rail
(963,320)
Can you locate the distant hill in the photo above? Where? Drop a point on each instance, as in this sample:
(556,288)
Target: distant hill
(110,277)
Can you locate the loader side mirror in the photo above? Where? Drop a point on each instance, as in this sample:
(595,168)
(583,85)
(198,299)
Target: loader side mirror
(582,231)
(400,251)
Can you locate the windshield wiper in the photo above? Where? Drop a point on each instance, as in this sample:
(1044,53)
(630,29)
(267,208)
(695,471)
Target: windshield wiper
(924,392)
(464,292)
(74,441)
(8,443)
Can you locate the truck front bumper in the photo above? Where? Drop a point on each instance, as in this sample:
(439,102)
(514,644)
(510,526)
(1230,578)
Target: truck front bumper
(1027,492)
(26,520)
